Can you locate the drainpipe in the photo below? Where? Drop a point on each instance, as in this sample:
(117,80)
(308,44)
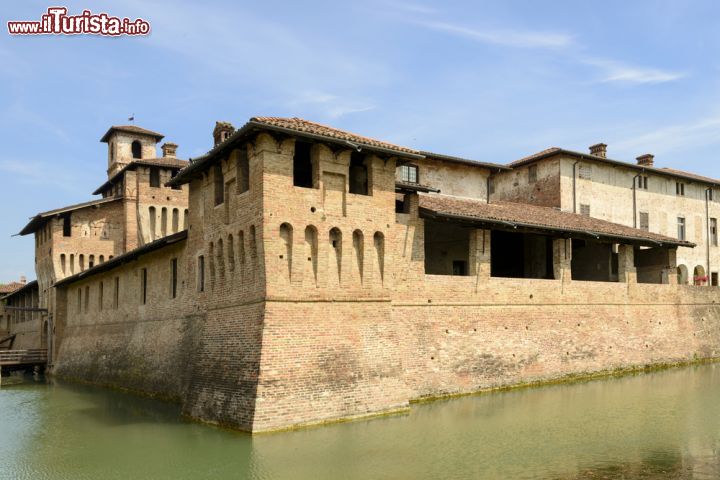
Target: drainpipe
(707,232)
(635,199)
(574,186)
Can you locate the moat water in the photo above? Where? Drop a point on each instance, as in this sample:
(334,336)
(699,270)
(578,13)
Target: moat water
(663,425)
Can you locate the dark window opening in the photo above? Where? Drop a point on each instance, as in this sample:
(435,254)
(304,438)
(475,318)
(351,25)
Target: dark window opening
(681,228)
(143,286)
(358,174)
(173,277)
(67,225)
(173,174)
(592,261)
(219,181)
(136,149)
(446,245)
(714,279)
(302,166)
(409,173)
(154,177)
(644,221)
(459,267)
(713,232)
(521,255)
(116,299)
(679,188)
(243,171)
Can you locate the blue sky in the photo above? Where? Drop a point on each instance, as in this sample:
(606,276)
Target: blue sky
(491,81)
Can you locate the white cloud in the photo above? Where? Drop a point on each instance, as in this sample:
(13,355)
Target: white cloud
(506,37)
(329,105)
(701,133)
(620,72)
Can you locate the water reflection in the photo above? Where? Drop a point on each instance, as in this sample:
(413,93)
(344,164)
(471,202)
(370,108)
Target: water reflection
(656,426)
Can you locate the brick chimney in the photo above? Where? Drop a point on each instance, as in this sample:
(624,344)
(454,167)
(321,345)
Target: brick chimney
(23,280)
(222,131)
(599,150)
(646,160)
(169,149)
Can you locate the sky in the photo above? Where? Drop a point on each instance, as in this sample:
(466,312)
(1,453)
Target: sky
(487,80)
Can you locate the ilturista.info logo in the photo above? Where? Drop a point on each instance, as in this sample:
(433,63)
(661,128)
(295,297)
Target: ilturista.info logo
(56,21)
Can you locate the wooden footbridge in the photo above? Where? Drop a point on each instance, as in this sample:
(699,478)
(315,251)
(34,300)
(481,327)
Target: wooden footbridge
(23,358)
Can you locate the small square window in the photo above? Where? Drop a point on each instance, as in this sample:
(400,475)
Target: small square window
(585,209)
(409,173)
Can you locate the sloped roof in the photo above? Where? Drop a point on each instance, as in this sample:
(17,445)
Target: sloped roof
(666,172)
(131,129)
(38,220)
(124,258)
(306,126)
(7,288)
(23,287)
(465,161)
(513,215)
(169,162)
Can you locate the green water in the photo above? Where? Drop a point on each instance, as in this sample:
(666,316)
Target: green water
(663,425)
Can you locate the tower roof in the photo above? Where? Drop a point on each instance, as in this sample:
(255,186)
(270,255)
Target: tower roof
(131,129)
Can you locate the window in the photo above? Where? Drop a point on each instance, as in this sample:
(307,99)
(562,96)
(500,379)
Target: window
(642,182)
(201,273)
(710,194)
(67,225)
(173,174)
(491,185)
(87,299)
(116,299)
(585,171)
(681,228)
(79,300)
(143,286)
(585,209)
(100,296)
(136,149)
(358,177)
(173,278)
(302,166)
(219,182)
(532,174)
(714,279)
(154,177)
(713,232)
(459,267)
(644,221)
(409,173)
(91,261)
(243,171)
(679,188)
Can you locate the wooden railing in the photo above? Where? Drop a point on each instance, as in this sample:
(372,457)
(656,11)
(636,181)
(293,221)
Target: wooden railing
(36,356)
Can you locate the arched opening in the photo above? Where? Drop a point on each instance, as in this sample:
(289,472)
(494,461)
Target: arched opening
(286,234)
(62,263)
(336,256)
(163,221)
(379,243)
(185,219)
(175,220)
(136,149)
(151,213)
(231,254)
(241,251)
(358,249)
(682,275)
(211,257)
(311,249)
(220,259)
(82,262)
(699,277)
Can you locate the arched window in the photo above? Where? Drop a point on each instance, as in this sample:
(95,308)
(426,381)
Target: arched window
(153,219)
(379,241)
(286,234)
(335,255)
(241,251)
(163,221)
(175,220)
(699,277)
(136,149)
(220,259)
(358,248)
(311,251)
(62,263)
(682,274)
(231,253)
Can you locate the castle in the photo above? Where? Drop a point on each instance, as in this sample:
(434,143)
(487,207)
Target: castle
(297,273)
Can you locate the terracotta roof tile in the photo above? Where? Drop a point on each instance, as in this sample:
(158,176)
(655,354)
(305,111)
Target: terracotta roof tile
(8,288)
(131,129)
(545,218)
(170,162)
(690,174)
(306,126)
(532,157)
